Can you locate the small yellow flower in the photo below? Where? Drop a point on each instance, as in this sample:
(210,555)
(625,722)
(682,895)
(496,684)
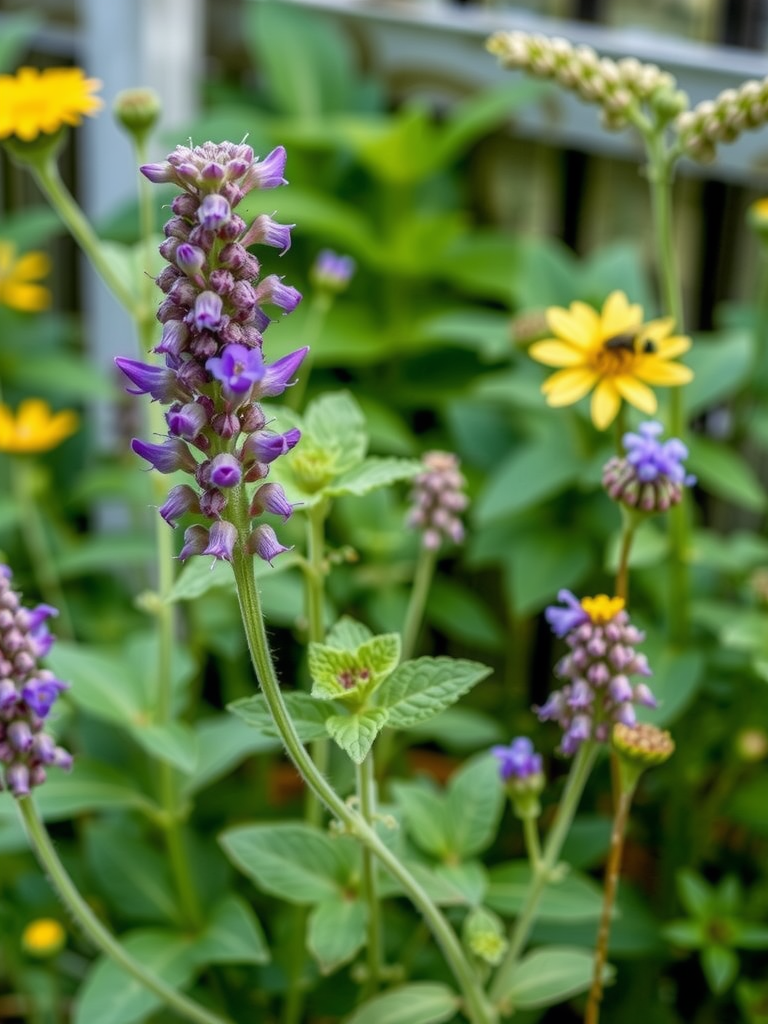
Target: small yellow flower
(601,609)
(35,428)
(612,352)
(34,102)
(43,937)
(17,274)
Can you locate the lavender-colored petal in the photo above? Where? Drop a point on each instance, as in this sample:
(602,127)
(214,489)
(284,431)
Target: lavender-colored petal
(278,375)
(264,543)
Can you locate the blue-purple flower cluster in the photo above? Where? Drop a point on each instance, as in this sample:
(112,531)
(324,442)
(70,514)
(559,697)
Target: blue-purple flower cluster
(437,499)
(215,375)
(27,693)
(332,272)
(602,657)
(519,760)
(651,476)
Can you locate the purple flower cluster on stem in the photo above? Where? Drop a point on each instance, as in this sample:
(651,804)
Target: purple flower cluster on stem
(437,498)
(215,374)
(518,760)
(651,476)
(602,657)
(27,693)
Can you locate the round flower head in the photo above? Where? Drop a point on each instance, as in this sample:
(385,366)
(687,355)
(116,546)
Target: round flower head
(518,760)
(651,476)
(36,102)
(27,693)
(437,498)
(611,353)
(602,657)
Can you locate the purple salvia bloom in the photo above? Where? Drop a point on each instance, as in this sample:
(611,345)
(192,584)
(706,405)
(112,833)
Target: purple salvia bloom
(266,231)
(266,447)
(208,311)
(272,290)
(238,368)
(180,500)
(264,543)
(195,542)
(167,457)
(221,540)
(278,375)
(651,476)
(161,383)
(266,173)
(518,760)
(158,174)
(40,694)
(331,271)
(563,620)
(225,470)
(271,498)
(191,259)
(214,212)
(37,629)
(187,420)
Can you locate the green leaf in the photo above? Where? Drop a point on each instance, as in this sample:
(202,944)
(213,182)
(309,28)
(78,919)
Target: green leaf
(549,976)
(548,275)
(721,365)
(335,423)
(574,898)
(695,893)
(461,613)
(110,996)
(356,732)
(423,1002)
(198,577)
(534,472)
(720,966)
(336,931)
(618,266)
(458,729)
(542,562)
(475,800)
(677,677)
(419,689)
(375,471)
(90,786)
(103,684)
(426,817)
(295,862)
(348,634)
(686,933)
(469,879)
(484,263)
(222,743)
(308,715)
(175,743)
(724,473)
(344,674)
(18,29)
(233,935)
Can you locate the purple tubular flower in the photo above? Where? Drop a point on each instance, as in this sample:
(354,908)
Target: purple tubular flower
(39,633)
(518,760)
(652,458)
(266,447)
(190,259)
(563,620)
(272,290)
(221,540)
(214,212)
(207,312)
(225,470)
(161,383)
(167,457)
(266,173)
(41,693)
(158,174)
(238,368)
(266,231)
(187,421)
(195,542)
(277,376)
(331,271)
(264,543)
(180,500)
(271,498)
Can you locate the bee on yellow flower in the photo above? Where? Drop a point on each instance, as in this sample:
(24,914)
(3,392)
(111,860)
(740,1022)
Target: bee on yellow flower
(35,428)
(612,352)
(34,102)
(18,277)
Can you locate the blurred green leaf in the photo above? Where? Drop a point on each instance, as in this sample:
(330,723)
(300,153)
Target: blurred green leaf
(537,470)
(720,966)
(336,931)
(460,612)
(423,1002)
(576,897)
(721,366)
(549,976)
(726,474)
(232,935)
(355,731)
(308,715)
(475,801)
(419,689)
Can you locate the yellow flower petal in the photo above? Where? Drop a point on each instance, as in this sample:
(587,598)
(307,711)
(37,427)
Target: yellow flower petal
(35,428)
(26,298)
(34,101)
(663,374)
(671,348)
(31,266)
(636,393)
(658,329)
(605,404)
(574,326)
(567,386)
(556,353)
(619,316)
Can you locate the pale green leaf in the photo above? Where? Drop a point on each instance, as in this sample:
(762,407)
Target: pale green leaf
(295,862)
(720,966)
(475,800)
(175,743)
(725,473)
(423,1002)
(549,976)
(356,732)
(335,423)
(233,935)
(573,898)
(336,931)
(374,472)
(308,715)
(348,634)
(419,689)
(426,817)
(339,674)
(535,471)
(222,743)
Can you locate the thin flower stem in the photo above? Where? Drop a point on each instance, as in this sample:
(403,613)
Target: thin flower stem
(366,794)
(422,581)
(36,543)
(532,842)
(612,870)
(46,174)
(574,787)
(476,1005)
(315,595)
(622,573)
(95,930)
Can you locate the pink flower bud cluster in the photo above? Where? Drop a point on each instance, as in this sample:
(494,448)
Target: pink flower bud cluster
(215,375)
(27,693)
(437,498)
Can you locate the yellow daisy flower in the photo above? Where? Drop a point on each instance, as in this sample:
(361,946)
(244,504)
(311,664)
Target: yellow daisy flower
(17,277)
(612,351)
(34,102)
(35,428)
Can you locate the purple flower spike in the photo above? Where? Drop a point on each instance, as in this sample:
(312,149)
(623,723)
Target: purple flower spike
(166,457)
(563,620)
(518,760)
(38,630)
(264,543)
(40,694)
(180,500)
(278,375)
(207,312)
(221,540)
(190,259)
(161,383)
(225,470)
(266,231)
(265,447)
(271,289)
(266,173)
(214,212)
(238,368)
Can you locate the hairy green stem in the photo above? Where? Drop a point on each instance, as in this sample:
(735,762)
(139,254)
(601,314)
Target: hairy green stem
(366,794)
(46,174)
(315,595)
(95,930)
(476,1006)
(532,842)
(422,581)
(574,787)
